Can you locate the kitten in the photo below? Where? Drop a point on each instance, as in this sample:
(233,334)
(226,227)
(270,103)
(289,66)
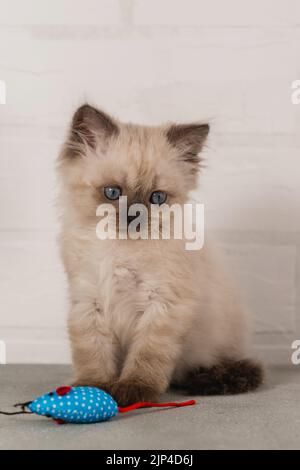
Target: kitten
(144,313)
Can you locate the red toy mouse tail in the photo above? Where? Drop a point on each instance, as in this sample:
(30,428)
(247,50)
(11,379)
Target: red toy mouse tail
(148,404)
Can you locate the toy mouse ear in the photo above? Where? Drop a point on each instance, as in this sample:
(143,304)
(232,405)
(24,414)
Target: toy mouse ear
(61,391)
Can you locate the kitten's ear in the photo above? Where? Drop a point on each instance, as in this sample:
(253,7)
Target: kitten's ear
(89,123)
(189,139)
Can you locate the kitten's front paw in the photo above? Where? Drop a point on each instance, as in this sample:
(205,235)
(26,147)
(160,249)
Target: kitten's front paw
(105,386)
(129,391)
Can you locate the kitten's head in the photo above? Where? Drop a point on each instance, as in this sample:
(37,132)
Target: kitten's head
(104,158)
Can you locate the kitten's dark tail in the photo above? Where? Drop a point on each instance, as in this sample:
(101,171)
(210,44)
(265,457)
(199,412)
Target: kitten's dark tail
(227,378)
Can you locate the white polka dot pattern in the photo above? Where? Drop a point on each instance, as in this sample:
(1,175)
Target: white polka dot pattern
(79,405)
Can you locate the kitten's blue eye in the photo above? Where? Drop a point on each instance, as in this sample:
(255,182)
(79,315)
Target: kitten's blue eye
(158,197)
(113,192)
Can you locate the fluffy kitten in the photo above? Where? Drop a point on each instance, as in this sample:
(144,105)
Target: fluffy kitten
(144,313)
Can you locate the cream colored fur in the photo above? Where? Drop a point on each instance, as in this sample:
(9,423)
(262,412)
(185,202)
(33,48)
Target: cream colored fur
(143,312)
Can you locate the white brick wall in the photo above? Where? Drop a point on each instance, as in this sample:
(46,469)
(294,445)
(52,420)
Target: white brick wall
(59,12)
(215,12)
(231,62)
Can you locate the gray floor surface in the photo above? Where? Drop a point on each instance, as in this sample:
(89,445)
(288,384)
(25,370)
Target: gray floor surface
(267,419)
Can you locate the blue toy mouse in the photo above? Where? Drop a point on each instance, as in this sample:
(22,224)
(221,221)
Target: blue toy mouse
(82,405)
